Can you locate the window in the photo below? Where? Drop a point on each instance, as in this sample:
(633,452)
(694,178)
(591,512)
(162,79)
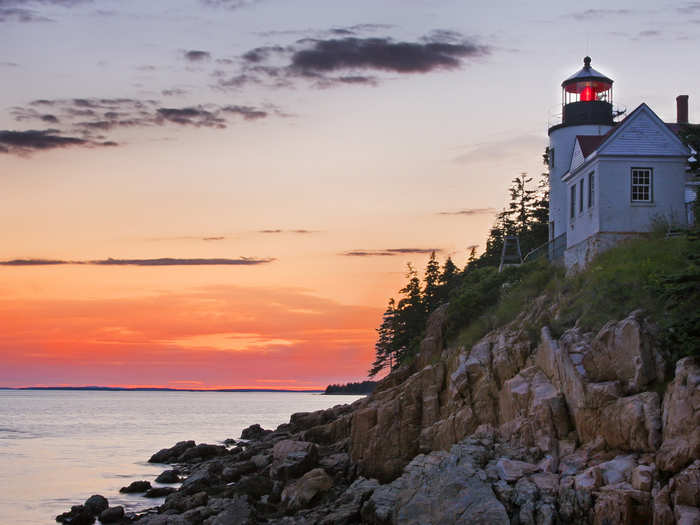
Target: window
(591,189)
(580,196)
(642,189)
(573,201)
(550,157)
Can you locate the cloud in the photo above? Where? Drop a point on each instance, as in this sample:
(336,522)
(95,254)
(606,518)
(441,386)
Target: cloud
(334,61)
(25,142)
(382,54)
(18,14)
(596,14)
(470,211)
(195,55)
(390,252)
(174,92)
(192,116)
(230,4)
(689,8)
(91,118)
(9,64)
(163,261)
(301,231)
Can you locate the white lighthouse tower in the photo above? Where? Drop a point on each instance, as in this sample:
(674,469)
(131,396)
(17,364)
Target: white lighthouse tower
(586,110)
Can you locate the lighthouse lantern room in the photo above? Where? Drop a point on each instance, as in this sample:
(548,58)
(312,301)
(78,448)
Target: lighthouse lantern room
(587,97)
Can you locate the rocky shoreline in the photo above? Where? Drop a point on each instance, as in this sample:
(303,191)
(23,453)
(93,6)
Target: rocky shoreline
(589,428)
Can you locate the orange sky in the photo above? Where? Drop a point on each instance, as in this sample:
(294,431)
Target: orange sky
(308,137)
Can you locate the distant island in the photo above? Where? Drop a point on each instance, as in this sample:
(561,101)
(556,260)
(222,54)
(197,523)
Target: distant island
(362,388)
(155,389)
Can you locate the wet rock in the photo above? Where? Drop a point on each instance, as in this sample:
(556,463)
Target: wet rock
(300,493)
(255,487)
(96,504)
(136,487)
(237,511)
(112,515)
(202,451)
(181,502)
(78,515)
(347,508)
(254,432)
(169,476)
(168,455)
(159,492)
(233,472)
(293,459)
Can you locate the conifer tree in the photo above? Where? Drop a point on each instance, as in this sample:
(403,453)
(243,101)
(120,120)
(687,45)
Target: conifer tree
(447,280)
(384,347)
(431,280)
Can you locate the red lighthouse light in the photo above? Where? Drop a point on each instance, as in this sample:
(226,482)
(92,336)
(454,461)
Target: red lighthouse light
(587,94)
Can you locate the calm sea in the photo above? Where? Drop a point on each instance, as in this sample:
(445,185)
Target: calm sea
(59,447)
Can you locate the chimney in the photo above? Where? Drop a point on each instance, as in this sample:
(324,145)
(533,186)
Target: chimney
(682,109)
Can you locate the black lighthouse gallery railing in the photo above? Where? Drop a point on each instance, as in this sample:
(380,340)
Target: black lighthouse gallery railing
(553,250)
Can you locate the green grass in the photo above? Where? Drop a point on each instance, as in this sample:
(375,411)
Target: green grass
(660,276)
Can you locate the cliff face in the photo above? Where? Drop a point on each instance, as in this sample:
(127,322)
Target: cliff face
(586,428)
(571,430)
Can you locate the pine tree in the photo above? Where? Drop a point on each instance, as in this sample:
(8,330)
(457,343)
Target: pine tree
(384,347)
(410,315)
(521,203)
(448,280)
(431,280)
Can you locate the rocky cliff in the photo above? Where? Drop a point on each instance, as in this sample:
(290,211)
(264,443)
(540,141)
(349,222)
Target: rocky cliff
(589,428)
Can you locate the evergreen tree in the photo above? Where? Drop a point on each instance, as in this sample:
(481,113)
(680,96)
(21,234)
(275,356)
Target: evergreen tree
(410,315)
(522,200)
(431,280)
(448,280)
(384,347)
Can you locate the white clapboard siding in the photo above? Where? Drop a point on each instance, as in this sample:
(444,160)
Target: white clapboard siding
(577,158)
(643,134)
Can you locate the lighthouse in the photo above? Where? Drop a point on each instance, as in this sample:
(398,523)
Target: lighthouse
(587,109)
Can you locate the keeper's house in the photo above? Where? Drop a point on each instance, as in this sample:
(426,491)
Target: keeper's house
(610,181)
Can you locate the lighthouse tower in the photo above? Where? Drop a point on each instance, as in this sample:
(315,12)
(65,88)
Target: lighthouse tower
(586,110)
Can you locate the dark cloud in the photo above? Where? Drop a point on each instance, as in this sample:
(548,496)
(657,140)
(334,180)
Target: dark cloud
(196,55)
(230,4)
(328,62)
(217,238)
(470,211)
(9,64)
(164,261)
(192,116)
(32,262)
(648,33)
(22,15)
(25,142)
(247,112)
(170,261)
(301,231)
(92,118)
(390,252)
(595,14)
(382,54)
(174,92)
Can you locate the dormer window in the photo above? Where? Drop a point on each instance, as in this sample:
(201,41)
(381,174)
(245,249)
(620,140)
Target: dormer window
(642,189)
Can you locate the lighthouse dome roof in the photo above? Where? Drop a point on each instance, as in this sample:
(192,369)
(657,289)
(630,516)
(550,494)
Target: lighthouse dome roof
(586,73)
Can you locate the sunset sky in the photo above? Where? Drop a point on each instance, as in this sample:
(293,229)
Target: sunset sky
(225,193)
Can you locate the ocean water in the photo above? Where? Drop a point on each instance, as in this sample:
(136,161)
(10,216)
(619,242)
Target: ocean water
(57,448)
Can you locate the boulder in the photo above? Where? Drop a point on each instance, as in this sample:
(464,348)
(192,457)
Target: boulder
(159,492)
(112,515)
(254,432)
(181,502)
(78,515)
(643,477)
(347,508)
(512,470)
(96,504)
(439,487)
(169,476)
(168,455)
(136,487)
(681,418)
(236,512)
(202,451)
(299,494)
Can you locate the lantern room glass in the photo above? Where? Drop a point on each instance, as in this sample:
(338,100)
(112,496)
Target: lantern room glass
(587,91)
